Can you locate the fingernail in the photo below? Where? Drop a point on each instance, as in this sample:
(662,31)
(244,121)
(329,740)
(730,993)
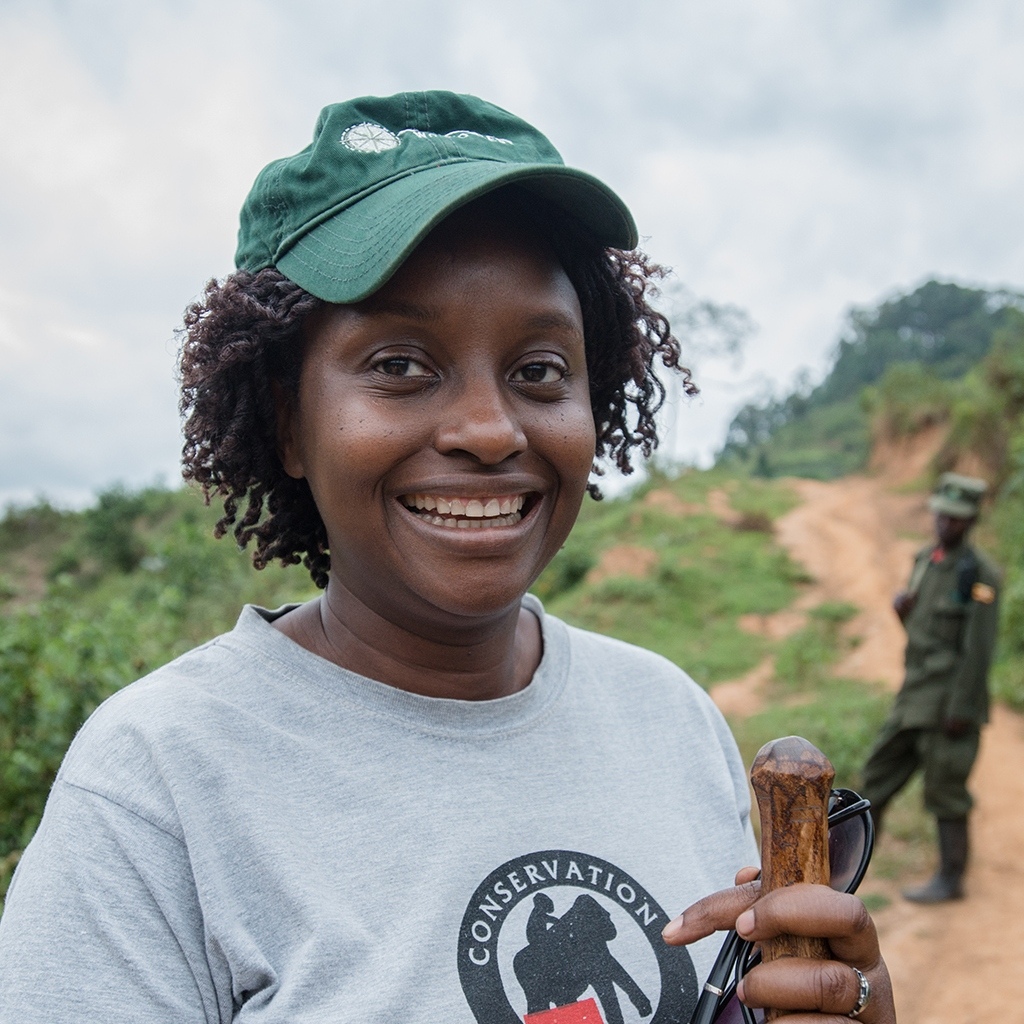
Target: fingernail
(745,923)
(739,991)
(673,928)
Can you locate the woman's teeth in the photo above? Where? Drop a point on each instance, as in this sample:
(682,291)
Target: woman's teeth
(472,513)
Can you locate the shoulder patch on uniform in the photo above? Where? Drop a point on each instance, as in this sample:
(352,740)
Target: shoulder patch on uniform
(983,593)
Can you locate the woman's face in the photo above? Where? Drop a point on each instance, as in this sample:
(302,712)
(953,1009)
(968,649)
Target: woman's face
(444,425)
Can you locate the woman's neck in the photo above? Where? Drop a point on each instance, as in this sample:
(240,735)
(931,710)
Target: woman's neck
(481,661)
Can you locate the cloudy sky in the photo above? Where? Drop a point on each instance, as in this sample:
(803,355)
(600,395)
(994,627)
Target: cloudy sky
(787,156)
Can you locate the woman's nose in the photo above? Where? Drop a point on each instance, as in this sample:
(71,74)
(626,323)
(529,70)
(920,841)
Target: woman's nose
(481,421)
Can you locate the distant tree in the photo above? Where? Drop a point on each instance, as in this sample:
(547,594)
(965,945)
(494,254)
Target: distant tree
(109,528)
(755,424)
(940,324)
(706,329)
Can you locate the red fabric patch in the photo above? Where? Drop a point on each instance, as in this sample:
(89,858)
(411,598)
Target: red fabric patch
(575,1013)
(938,555)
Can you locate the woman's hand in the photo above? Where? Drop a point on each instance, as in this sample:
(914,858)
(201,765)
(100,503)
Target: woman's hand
(827,989)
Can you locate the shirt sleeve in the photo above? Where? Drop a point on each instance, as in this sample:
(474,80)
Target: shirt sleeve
(968,693)
(99,926)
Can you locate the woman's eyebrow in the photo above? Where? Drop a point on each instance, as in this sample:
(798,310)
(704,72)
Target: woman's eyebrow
(552,321)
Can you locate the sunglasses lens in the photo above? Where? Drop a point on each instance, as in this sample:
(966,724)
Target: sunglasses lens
(847,843)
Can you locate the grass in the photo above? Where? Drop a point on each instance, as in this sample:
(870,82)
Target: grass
(875,901)
(707,574)
(803,657)
(753,496)
(1008,682)
(907,845)
(839,716)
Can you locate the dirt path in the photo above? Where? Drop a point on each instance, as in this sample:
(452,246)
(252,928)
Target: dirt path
(959,963)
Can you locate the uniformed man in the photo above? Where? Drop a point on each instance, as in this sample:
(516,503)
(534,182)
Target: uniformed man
(949,610)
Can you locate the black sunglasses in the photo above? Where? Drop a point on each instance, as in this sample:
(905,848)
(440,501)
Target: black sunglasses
(851,837)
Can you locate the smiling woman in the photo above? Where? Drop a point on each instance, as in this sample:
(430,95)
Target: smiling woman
(417,797)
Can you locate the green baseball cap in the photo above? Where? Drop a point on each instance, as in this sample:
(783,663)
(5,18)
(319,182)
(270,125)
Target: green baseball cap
(340,217)
(957,495)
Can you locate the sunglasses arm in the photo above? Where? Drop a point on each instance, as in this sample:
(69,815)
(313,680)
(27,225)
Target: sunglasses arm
(710,1000)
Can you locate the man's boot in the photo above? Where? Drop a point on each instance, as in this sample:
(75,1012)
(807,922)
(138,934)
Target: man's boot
(947,883)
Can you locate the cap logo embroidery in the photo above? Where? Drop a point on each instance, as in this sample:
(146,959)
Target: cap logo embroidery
(367,137)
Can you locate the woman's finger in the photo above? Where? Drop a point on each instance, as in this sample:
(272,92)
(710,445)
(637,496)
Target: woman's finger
(714,913)
(825,986)
(818,912)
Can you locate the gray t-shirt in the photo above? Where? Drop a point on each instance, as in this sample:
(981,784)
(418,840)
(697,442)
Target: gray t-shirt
(254,834)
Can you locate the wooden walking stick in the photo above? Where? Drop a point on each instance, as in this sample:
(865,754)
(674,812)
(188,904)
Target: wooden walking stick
(792,780)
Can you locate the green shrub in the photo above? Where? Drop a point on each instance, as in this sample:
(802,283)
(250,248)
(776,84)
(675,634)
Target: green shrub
(20,527)
(822,444)
(565,571)
(58,664)
(908,398)
(1008,525)
(133,582)
(1004,367)
(109,533)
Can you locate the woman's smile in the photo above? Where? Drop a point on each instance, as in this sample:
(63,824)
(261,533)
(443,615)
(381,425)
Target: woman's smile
(467,513)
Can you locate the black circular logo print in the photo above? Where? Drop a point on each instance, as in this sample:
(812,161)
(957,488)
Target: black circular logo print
(558,937)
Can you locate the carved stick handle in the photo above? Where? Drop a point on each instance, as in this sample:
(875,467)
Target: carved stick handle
(792,780)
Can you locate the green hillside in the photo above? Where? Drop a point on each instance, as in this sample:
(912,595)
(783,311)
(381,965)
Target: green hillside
(937,333)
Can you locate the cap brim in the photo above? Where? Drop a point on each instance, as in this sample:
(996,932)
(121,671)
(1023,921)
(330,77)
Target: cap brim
(350,255)
(952,507)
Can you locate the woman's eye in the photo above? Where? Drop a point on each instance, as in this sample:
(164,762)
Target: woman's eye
(402,366)
(539,373)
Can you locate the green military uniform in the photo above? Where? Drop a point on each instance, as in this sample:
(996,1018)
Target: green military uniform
(936,719)
(951,634)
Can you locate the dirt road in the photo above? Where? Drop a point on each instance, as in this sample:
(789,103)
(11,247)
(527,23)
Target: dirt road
(958,963)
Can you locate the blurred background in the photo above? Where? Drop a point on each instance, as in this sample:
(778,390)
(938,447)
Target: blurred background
(787,158)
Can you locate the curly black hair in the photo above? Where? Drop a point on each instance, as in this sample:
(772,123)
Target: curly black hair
(244,338)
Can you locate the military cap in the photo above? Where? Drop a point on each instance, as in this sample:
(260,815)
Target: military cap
(958,495)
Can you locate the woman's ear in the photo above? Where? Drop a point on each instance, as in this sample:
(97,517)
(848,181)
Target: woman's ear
(288,449)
